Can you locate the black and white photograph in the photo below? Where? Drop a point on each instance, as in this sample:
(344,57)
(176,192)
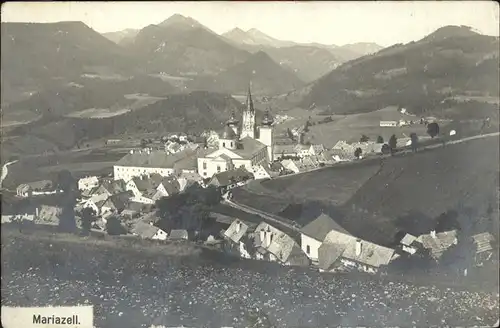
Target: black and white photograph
(250,164)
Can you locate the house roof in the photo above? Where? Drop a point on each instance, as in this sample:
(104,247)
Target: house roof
(161,159)
(145,230)
(224,178)
(120,200)
(483,242)
(321,226)
(42,184)
(437,245)
(171,185)
(328,254)
(318,148)
(371,254)
(249,147)
(114,186)
(178,234)
(191,176)
(281,244)
(233,233)
(143,183)
(408,239)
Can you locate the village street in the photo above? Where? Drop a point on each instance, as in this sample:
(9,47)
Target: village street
(131,289)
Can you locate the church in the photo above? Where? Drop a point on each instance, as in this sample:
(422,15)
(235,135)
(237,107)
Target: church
(247,146)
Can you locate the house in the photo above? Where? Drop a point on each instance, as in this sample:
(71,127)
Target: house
(234,238)
(302,150)
(388,123)
(437,243)
(230,179)
(344,252)
(313,234)
(408,244)
(148,231)
(179,234)
(88,183)
(483,247)
(116,203)
(16,214)
(187,179)
(263,172)
(134,209)
(274,245)
(316,150)
(139,163)
(49,215)
(106,187)
(301,165)
(35,188)
(281,151)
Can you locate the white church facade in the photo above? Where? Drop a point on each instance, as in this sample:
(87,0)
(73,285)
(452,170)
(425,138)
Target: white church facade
(250,147)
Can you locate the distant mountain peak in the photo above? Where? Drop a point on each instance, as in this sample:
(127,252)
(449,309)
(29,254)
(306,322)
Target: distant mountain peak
(180,19)
(451,31)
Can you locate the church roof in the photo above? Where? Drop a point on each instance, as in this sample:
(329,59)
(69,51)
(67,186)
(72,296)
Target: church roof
(228,133)
(249,101)
(249,147)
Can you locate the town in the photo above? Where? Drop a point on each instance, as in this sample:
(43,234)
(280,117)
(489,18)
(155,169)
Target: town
(250,165)
(146,180)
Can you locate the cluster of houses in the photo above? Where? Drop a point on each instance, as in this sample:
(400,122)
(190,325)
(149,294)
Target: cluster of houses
(327,247)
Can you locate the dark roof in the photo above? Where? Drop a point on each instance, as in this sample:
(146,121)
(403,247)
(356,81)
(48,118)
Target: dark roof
(114,186)
(120,200)
(320,227)
(228,133)
(171,185)
(224,178)
(248,147)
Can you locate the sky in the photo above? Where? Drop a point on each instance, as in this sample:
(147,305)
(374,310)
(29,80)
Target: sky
(336,22)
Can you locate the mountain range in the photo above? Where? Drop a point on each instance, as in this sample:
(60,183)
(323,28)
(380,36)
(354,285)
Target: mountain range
(49,71)
(426,75)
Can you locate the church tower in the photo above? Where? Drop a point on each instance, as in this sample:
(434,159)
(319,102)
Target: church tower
(248,124)
(266,134)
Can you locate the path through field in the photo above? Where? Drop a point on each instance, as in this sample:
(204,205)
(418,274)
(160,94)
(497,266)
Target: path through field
(5,171)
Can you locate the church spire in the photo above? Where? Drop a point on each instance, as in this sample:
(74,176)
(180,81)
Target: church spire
(249,100)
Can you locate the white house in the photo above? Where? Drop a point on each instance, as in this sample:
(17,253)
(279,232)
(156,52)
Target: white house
(261,172)
(313,234)
(136,164)
(234,236)
(88,183)
(388,123)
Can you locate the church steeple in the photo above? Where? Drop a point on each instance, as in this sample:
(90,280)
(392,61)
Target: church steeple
(248,124)
(249,100)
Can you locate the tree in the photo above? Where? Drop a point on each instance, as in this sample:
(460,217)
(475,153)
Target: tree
(414,141)
(188,210)
(364,138)
(433,129)
(386,149)
(393,143)
(358,152)
(114,226)
(380,140)
(66,182)
(88,216)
